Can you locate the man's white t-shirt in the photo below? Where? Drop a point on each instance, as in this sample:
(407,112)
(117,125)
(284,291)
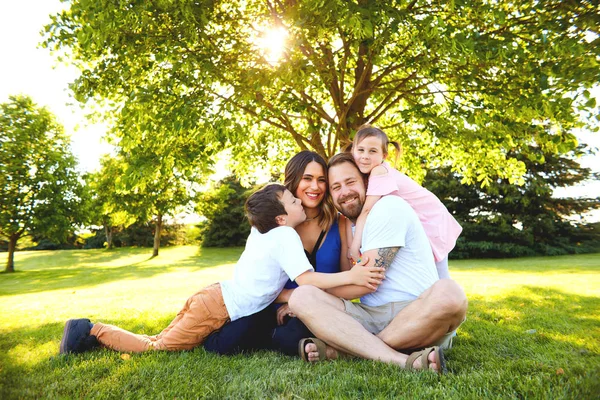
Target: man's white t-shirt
(266,264)
(393,223)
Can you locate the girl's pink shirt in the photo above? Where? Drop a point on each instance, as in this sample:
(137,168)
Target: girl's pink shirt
(440,226)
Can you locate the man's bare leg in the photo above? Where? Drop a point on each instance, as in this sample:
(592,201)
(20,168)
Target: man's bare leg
(436,312)
(324,315)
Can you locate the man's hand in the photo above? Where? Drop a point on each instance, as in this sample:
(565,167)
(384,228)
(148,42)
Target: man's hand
(283,312)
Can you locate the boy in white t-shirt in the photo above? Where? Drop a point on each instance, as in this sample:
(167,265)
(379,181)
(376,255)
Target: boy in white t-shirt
(273,254)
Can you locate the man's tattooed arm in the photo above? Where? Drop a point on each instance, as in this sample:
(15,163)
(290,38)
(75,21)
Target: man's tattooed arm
(385,256)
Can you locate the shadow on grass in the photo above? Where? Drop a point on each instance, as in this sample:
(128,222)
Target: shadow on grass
(531,329)
(76,269)
(45,259)
(533,342)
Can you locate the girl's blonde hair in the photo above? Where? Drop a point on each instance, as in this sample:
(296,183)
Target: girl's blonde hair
(367,130)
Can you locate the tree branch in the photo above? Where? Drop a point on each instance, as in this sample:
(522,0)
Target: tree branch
(314,106)
(390,95)
(282,124)
(373,119)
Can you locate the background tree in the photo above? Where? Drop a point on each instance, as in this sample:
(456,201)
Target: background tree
(40,191)
(161,176)
(504,220)
(460,83)
(107,202)
(223,206)
(161,159)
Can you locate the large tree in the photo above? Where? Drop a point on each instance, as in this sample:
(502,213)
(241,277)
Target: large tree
(40,191)
(458,82)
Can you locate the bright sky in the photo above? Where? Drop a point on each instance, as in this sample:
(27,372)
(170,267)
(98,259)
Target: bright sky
(26,69)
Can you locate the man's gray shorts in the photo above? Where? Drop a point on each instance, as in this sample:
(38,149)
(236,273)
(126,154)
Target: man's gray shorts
(376,319)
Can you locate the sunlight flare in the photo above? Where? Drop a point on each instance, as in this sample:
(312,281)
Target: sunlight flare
(271,43)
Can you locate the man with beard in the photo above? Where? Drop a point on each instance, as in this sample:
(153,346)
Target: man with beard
(411,309)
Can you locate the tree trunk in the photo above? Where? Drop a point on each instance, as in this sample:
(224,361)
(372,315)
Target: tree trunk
(157,231)
(12,245)
(109,235)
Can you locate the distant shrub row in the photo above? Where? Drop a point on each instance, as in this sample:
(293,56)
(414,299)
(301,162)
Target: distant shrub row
(492,241)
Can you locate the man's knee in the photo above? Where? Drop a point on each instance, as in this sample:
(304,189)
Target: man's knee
(303,299)
(450,297)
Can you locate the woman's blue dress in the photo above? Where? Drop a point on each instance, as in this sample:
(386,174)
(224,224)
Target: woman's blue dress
(328,255)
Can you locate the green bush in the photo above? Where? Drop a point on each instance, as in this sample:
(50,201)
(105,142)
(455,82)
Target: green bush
(493,239)
(223,206)
(141,235)
(71,243)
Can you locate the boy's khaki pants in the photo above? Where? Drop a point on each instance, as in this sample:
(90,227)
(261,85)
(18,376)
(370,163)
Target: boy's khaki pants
(202,314)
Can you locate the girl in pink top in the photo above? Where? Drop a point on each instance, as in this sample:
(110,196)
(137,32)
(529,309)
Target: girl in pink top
(369,149)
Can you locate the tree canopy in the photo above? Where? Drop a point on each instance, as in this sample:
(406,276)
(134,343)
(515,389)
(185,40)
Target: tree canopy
(460,83)
(40,191)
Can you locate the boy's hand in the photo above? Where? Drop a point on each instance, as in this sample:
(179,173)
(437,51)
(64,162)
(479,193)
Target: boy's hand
(369,277)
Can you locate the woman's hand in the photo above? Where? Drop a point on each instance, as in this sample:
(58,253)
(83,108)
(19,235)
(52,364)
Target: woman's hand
(369,277)
(283,312)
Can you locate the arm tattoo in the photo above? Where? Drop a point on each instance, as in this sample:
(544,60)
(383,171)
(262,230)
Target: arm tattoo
(385,256)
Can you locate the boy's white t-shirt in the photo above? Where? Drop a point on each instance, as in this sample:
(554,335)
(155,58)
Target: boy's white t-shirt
(393,223)
(266,264)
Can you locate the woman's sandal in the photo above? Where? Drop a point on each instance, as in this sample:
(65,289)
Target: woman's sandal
(321,348)
(439,359)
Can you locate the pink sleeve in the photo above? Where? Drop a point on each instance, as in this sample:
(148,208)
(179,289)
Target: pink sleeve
(381,185)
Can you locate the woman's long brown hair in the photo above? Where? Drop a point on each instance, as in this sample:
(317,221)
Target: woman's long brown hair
(294,171)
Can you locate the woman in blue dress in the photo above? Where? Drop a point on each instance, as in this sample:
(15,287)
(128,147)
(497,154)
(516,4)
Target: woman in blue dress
(275,328)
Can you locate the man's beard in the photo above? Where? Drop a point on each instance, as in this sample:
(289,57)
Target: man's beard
(351,211)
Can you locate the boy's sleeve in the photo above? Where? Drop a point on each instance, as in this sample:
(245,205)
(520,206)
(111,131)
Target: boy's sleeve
(386,226)
(291,256)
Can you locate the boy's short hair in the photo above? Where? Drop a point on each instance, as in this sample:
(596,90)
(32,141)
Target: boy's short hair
(263,207)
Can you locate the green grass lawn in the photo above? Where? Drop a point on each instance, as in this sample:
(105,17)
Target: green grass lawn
(533,331)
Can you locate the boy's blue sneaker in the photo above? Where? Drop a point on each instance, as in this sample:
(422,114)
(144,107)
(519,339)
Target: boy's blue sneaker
(76,337)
